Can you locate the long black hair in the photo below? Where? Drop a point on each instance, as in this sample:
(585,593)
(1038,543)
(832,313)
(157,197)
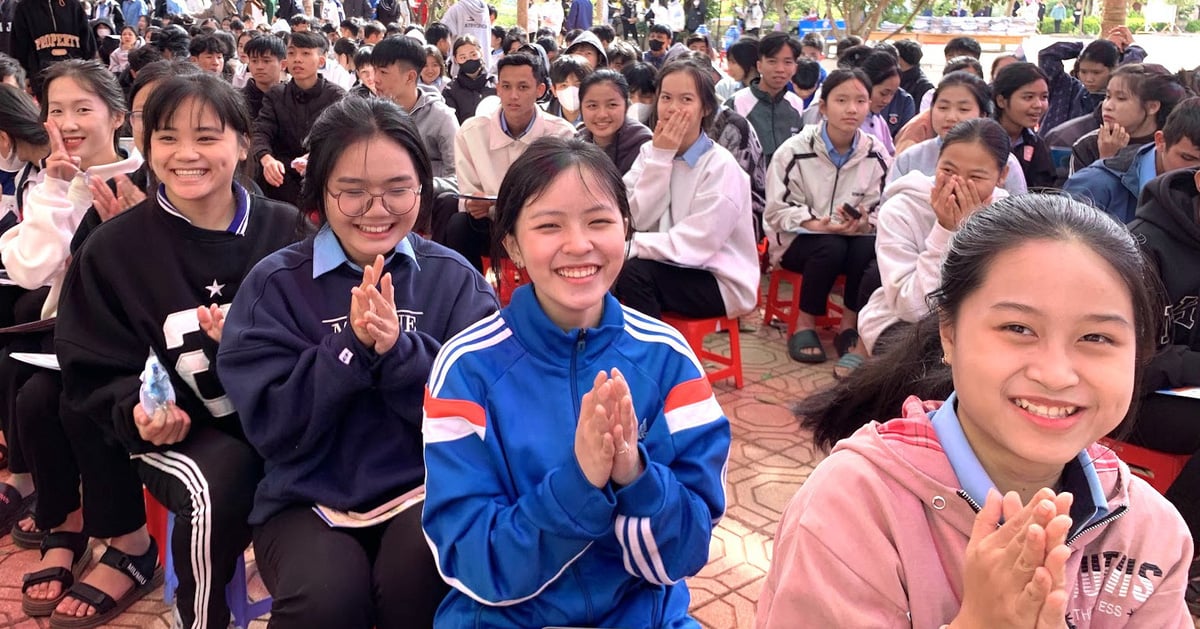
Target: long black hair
(20,118)
(912,364)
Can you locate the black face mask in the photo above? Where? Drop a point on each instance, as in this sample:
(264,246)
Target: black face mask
(471,66)
(655,45)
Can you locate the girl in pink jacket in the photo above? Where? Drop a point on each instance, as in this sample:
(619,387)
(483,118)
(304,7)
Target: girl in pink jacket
(996,508)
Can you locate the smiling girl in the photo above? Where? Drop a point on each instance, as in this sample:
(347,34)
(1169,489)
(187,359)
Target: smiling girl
(1020,95)
(196,238)
(589,503)
(996,508)
(605,98)
(325,357)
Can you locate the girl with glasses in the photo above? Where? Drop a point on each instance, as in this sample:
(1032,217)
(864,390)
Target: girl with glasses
(325,358)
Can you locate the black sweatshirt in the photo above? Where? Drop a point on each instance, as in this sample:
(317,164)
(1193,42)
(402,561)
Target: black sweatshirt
(48,31)
(133,289)
(1167,228)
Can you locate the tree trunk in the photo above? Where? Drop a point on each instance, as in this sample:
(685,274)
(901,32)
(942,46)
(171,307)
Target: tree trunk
(1112,15)
(781,10)
(523,16)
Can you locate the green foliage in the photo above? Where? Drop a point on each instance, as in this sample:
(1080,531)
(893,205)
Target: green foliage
(1193,26)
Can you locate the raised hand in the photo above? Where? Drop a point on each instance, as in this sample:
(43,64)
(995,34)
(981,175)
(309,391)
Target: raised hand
(627,463)
(212,321)
(380,319)
(669,134)
(1112,138)
(594,447)
(170,425)
(108,204)
(360,303)
(60,164)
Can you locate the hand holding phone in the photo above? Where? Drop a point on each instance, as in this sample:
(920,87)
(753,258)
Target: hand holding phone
(851,211)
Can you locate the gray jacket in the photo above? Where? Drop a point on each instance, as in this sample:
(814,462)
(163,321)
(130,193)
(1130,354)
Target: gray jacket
(438,126)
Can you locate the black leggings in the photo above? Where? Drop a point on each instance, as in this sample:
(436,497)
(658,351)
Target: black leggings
(1169,423)
(820,258)
(471,237)
(382,576)
(654,287)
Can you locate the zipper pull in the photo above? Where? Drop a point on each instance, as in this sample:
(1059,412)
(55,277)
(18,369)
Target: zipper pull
(581,341)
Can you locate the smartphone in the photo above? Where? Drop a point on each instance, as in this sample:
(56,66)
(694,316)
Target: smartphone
(851,211)
(477,197)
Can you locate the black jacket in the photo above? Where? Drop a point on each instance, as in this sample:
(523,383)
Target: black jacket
(1168,228)
(464,93)
(914,81)
(287,114)
(1036,162)
(358,8)
(49,31)
(624,149)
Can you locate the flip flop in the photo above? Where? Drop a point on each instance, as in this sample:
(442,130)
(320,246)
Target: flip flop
(845,341)
(805,340)
(848,364)
(142,570)
(81,547)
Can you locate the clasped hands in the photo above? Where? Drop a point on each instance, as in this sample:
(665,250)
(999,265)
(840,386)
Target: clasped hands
(607,433)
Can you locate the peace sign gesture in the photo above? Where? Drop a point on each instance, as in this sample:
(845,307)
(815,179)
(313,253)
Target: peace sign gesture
(61,164)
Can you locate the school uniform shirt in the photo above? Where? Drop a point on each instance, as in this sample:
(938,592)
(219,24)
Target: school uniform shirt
(775,119)
(1168,228)
(484,148)
(877,534)
(923,157)
(806,181)
(120,305)
(356,442)
(516,528)
(910,246)
(694,211)
(1036,162)
(898,112)
(36,251)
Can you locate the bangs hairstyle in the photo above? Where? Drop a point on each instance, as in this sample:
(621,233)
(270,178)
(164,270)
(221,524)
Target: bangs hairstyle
(706,89)
(91,76)
(841,75)
(912,363)
(977,86)
(348,122)
(19,117)
(987,133)
(204,89)
(538,167)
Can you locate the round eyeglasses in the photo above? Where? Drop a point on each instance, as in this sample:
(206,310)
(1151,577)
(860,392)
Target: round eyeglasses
(356,202)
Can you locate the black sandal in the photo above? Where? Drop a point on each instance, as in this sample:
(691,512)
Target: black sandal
(142,570)
(14,508)
(80,546)
(803,341)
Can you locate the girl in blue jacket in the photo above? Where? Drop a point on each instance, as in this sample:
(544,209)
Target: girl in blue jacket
(574,451)
(325,358)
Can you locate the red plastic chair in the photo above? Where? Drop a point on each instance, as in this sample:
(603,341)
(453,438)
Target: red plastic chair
(788,310)
(510,277)
(694,331)
(1160,469)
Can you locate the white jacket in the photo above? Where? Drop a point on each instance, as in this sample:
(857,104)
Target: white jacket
(803,184)
(909,248)
(483,151)
(697,217)
(36,250)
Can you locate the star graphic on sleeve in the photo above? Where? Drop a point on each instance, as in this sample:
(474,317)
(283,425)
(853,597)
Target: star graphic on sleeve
(214,289)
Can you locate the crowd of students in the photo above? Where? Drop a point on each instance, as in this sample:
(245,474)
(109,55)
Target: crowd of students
(297,230)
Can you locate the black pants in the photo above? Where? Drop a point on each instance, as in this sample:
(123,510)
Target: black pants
(64,451)
(1169,424)
(383,576)
(820,258)
(655,287)
(470,237)
(208,482)
(26,308)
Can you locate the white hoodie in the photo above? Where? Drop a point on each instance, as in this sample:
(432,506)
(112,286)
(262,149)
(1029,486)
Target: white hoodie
(909,248)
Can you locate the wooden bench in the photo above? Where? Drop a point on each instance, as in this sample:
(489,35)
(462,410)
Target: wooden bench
(941,39)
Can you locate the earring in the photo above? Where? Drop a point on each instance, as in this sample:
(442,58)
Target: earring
(945,361)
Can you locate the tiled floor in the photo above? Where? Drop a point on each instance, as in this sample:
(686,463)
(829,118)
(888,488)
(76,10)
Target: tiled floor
(769,459)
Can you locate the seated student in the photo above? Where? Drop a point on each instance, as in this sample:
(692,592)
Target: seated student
(529,529)
(567,72)
(364,72)
(588,46)
(1019,97)
(961,96)
(812,47)
(774,111)
(1139,99)
(658,40)
(487,145)
(920,214)
(208,53)
(962,46)
(643,86)
(920,127)
(621,53)
(694,252)
(398,62)
(1168,228)
(433,74)
(823,189)
(393,298)
(204,234)
(1082,91)
(901,108)
(265,55)
(912,78)
(605,97)
(807,79)
(438,35)
(741,63)
(1026,507)
(24,143)
(473,82)
(1115,183)
(884,75)
(288,111)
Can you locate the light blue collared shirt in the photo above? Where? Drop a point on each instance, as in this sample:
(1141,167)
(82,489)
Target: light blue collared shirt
(241,208)
(696,150)
(329,255)
(1147,167)
(1079,475)
(528,128)
(838,159)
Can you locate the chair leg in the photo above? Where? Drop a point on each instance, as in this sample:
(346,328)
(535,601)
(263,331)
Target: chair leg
(735,352)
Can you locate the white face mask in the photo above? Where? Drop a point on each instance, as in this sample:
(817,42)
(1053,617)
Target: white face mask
(11,163)
(103,32)
(639,112)
(568,97)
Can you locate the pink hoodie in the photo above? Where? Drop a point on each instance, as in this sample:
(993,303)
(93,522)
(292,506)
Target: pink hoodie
(876,538)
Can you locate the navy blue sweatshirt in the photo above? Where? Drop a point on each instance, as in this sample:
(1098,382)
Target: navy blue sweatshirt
(337,424)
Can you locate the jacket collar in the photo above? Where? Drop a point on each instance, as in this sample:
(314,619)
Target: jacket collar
(541,337)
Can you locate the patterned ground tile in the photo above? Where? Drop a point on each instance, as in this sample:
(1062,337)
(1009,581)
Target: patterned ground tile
(770,457)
